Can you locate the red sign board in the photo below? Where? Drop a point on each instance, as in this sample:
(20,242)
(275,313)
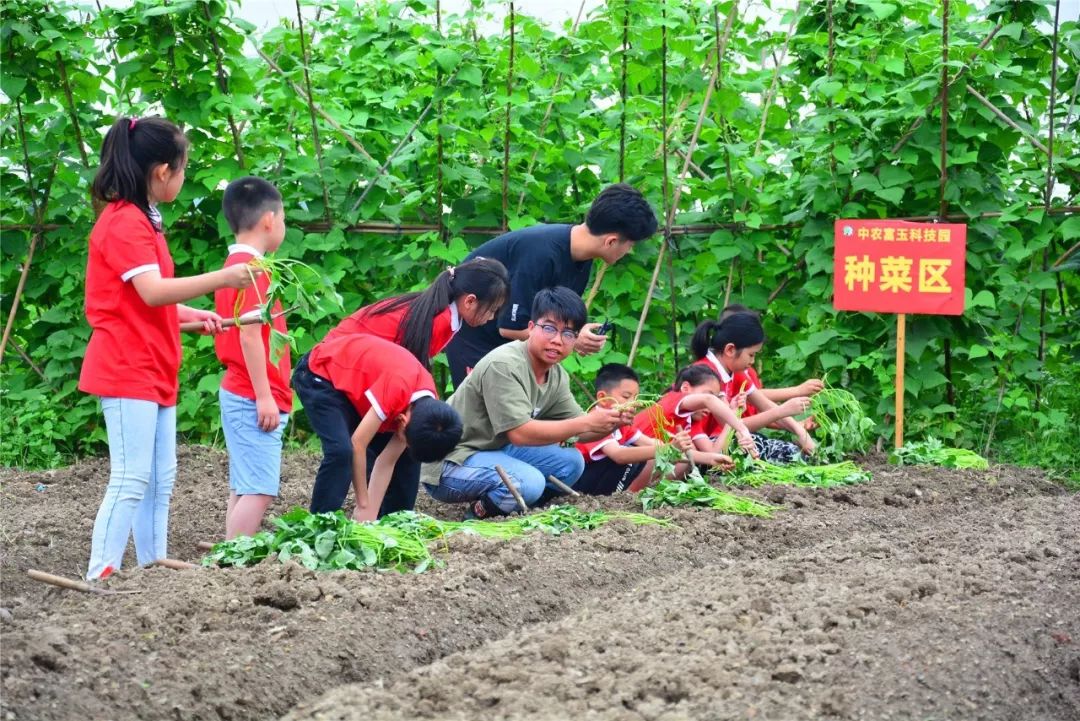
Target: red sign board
(893,266)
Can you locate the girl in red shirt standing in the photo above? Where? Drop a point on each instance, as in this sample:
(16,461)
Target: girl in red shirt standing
(424,322)
(131,362)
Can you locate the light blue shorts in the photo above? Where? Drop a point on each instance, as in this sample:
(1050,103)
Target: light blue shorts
(254,454)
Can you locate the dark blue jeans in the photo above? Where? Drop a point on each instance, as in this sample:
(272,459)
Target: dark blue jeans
(334,420)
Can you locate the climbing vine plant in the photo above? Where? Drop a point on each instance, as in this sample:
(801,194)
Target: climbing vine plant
(384,124)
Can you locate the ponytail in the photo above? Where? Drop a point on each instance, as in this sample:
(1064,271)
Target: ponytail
(742,329)
(133,147)
(485,278)
(696,375)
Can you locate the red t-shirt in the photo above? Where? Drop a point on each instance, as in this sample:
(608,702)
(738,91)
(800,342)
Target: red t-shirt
(229,302)
(372,373)
(390,326)
(594,450)
(756,383)
(730,383)
(134,349)
(667,409)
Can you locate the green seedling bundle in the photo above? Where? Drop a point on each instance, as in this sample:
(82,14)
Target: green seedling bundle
(399,541)
(843,428)
(697,492)
(754,473)
(932,452)
(296,285)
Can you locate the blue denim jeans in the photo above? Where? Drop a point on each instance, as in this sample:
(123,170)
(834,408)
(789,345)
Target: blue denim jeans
(527,466)
(142,469)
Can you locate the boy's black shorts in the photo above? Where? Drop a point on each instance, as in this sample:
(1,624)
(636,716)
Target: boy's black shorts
(604,477)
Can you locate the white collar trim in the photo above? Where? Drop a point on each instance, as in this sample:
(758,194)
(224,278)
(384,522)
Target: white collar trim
(455,317)
(718,366)
(244,248)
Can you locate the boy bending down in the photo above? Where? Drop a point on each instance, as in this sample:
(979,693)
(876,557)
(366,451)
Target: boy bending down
(517,408)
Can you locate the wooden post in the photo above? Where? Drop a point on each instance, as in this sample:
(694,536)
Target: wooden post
(900,330)
(513,489)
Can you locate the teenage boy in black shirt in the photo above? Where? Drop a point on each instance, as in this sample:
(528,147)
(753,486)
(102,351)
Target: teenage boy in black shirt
(543,256)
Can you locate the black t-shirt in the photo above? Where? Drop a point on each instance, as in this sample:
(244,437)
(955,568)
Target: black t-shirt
(536,258)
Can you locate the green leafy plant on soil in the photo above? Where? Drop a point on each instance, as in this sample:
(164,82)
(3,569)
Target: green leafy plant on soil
(399,541)
(843,428)
(758,473)
(932,452)
(699,493)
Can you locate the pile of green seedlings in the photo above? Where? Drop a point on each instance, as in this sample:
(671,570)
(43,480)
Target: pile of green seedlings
(399,541)
(698,492)
(754,473)
(933,452)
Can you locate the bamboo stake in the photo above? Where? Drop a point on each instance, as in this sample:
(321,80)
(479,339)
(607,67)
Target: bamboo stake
(567,490)
(1006,119)
(61,582)
(943,205)
(596,286)
(1048,195)
(675,204)
(910,132)
(513,489)
(322,113)
(174,564)
(223,83)
(311,111)
(547,113)
(438,136)
(62,67)
(39,210)
(506,136)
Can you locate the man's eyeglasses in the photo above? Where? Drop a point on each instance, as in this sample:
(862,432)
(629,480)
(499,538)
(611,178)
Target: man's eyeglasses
(550,331)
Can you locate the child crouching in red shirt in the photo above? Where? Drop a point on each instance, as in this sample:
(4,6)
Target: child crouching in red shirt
(354,388)
(619,461)
(255,395)
(695,398)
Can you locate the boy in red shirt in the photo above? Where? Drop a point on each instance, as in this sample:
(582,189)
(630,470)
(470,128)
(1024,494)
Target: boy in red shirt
(255,395)
(354,388)
(625,457)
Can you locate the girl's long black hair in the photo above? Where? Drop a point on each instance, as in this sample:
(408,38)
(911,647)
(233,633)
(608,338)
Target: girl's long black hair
(485,278)
(741,329)
(133,147)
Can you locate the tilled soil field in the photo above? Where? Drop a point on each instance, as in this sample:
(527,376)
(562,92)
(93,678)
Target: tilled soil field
(927,594)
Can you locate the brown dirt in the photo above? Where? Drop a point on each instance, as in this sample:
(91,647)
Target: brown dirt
(928,594)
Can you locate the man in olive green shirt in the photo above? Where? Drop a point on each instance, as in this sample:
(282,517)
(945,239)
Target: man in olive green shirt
(517,408)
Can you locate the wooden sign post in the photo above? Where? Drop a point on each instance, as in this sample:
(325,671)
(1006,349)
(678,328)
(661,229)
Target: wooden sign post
(894,266)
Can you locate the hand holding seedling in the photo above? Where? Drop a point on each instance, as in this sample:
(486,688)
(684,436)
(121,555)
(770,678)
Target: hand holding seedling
(238,276)
(681,440)
(720,460)
(604,420)
(738,401)
(806,443)
(810,387)
(588,340)
(796,406)
(746,441)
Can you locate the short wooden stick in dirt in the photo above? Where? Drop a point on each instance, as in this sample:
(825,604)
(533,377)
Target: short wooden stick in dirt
(204,545)
(174,564)
(562,486)
(61,582)
(513,489)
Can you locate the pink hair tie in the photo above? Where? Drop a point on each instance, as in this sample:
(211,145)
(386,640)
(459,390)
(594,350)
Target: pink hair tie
(131,124)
